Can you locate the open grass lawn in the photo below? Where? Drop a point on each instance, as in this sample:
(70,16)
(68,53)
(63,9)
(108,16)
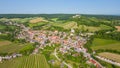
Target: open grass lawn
(105,44)
(112,56)
(32,61)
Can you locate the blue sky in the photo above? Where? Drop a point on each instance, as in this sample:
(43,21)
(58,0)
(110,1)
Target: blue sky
(59,6)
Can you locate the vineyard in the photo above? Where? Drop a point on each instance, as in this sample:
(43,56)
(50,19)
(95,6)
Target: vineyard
(32,61)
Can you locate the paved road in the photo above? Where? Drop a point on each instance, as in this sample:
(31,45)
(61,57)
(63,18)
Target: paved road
(107,60)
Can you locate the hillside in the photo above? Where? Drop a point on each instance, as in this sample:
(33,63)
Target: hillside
(32,61)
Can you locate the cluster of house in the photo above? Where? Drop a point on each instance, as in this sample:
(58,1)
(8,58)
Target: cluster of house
(50,37)
(94,62)
(67,41)
(9,57)
(11,23)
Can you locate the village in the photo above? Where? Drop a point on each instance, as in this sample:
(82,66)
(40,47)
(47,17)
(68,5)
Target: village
(68,42)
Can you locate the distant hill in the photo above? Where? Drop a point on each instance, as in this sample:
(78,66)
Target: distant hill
(60,16)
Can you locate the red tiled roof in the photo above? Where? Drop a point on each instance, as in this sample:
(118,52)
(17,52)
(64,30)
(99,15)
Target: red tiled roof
(92,61)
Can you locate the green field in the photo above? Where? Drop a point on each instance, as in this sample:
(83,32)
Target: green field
(2,43)
(2,27)
(37,24)
(72,24)
(32,61)
(105,44)
(9,47)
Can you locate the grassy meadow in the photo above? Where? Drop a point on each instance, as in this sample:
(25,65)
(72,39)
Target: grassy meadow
(105,44)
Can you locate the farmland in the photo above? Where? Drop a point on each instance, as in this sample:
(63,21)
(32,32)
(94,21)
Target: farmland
(32,61)
(2,43)
(118,28)
(105,44)
(9,47)
(36,20)
(42,40)
(2,27)
(111,56)
(73,24)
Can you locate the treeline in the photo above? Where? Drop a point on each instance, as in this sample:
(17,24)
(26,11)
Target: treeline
(61,16)
(53,28)
(89,43)
(108,17)
(108,34)
(89,21)
(39,26)
(8,32)
(7,28)
(107,50)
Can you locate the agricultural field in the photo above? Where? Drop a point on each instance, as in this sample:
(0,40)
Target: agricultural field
(37,24)
(2,43)
(105,44)
(2,27)
(54,19)
(24,20)
(111,56)
(93,28)
(36,20)
(72,24)
(118,28)
(32,61)
(9,47)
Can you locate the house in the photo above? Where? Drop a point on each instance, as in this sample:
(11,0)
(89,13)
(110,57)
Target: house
(0,59)
(95,63)
(76,16)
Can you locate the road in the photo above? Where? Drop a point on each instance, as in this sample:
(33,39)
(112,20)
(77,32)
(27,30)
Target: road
(55,53)
(107,60)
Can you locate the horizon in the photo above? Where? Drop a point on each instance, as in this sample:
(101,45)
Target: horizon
(61,14)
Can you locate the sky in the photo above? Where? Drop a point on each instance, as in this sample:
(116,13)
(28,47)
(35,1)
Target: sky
(60,6)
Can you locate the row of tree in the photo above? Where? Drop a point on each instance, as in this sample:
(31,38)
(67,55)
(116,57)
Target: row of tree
(105,34)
